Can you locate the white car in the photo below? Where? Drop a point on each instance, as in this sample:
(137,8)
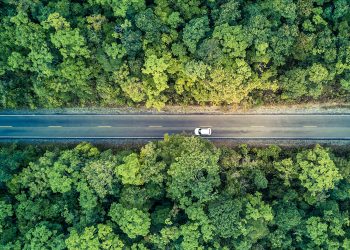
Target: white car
(202,131)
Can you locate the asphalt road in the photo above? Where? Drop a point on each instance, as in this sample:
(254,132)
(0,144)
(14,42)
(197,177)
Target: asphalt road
(298,126)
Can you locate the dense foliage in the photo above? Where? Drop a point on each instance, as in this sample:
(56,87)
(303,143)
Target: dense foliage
(180,193)
(56,53)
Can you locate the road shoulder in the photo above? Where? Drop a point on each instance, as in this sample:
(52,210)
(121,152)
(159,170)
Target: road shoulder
(309,108)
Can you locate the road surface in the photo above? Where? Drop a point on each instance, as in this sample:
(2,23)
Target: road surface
(297,126)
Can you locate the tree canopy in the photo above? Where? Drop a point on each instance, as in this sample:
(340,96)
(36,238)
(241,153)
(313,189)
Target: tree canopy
(65,53)
(179,193)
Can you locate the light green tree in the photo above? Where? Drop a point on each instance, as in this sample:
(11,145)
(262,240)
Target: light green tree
(318,172)
(133,222)
(94,238)
(129,172)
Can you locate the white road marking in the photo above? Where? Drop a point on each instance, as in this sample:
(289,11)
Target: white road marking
(55,126)
(155,126)
(5,126)
(104,126)
(257,126)
(307,126)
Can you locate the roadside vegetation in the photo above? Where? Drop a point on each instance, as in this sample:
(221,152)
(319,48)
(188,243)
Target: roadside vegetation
(66,53)
(179,193)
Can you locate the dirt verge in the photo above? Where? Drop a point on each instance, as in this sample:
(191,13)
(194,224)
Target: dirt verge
(326,108)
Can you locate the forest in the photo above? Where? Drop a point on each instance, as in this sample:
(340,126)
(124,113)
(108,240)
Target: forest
(109,53)
(179,193)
